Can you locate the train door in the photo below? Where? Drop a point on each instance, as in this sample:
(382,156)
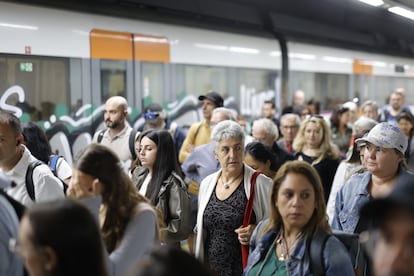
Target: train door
(128,65)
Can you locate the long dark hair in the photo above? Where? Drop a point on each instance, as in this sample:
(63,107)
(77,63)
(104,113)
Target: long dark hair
(165,161)
(336,115)
(261,153)
(72,232)
(36,141)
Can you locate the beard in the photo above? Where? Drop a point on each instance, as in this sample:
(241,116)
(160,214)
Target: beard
(114,125)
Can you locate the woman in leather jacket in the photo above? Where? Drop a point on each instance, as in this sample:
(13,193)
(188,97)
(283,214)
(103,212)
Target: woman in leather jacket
(159,179)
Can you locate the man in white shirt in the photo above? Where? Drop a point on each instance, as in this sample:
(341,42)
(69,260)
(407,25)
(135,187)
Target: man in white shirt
(15,159)
(117,135)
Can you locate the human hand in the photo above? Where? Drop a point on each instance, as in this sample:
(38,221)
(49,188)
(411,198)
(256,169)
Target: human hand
(190,147)
(244,233)
(79,191)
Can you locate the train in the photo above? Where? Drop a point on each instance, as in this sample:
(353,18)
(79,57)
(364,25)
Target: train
(57,68)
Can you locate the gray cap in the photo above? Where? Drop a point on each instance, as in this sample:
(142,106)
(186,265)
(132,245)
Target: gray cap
(386,135)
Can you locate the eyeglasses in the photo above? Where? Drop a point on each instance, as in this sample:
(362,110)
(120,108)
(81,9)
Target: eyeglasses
(290,127)
(151,115)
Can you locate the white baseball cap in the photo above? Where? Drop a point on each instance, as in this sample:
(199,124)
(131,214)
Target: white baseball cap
(386,135)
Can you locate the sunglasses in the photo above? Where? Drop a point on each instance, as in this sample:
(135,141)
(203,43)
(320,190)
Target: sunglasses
(151,115)
(308,117)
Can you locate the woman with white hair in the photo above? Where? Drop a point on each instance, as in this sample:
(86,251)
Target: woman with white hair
(222,201)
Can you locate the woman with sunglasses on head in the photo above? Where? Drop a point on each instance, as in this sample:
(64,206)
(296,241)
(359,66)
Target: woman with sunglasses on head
(159,179)
(313,145)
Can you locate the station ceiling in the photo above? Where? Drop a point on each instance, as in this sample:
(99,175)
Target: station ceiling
(347,24)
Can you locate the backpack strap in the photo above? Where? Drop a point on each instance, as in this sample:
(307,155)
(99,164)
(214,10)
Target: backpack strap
(29,178)
(316,248)
(100,136)
(131,143)
(53,163)
(18,207)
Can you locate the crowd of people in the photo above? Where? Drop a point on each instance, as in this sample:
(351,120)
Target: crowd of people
(214,199)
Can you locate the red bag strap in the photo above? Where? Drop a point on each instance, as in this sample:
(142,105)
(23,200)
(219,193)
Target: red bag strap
(248,217)
(249,206)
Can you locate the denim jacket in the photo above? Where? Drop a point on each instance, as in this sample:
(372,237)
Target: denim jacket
(350,199)
(336,258)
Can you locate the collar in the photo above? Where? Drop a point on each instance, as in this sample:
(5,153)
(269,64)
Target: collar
(120,134)
(19,170)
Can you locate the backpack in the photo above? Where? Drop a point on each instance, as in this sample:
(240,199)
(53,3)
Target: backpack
(53,163)
(131,141)
(29,176)
(18,207)
(351,243)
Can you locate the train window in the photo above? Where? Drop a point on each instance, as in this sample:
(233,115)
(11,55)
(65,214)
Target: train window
(113,78)
(38,86)
(152,75)
(330,89)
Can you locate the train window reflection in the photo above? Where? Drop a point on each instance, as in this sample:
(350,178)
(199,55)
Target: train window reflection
(113,78)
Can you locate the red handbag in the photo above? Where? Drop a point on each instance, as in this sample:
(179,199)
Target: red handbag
(248,217)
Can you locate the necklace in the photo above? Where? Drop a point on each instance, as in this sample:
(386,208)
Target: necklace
(284,247)
(227,185)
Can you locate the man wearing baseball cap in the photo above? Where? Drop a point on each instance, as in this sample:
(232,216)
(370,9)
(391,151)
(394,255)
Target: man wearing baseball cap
(199,133)
(390,241)
(384,161)
(157,117)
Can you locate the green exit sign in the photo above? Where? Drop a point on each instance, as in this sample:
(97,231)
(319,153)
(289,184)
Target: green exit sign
(26,67)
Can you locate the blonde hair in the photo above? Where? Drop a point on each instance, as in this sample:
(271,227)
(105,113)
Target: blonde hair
(327,148)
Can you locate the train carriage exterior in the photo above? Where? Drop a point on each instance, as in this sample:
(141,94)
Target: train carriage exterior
(58,67)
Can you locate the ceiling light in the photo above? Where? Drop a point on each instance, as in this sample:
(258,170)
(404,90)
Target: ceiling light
(243,50)
(403,12)
(302,56)
(16,26)
(337,59)
(211,46)
(275,54)
(374,3)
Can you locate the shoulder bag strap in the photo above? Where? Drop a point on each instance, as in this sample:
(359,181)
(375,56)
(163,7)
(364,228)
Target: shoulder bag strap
(316,248)
(249,206)
(248,216)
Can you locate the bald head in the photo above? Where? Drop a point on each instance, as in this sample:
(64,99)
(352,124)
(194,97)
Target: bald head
(118,101)
(116,111)
(299,98)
